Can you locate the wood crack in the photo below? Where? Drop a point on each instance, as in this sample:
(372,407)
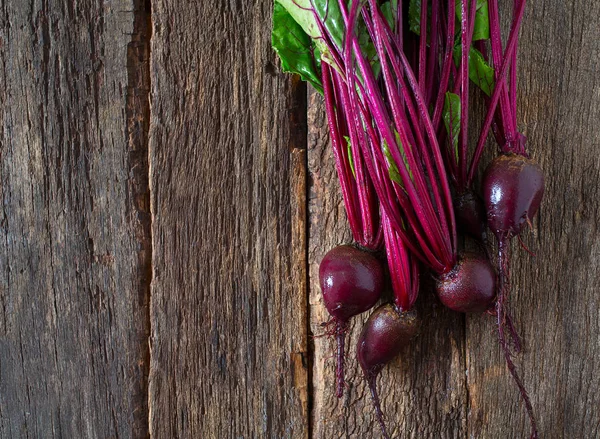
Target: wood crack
(138,127)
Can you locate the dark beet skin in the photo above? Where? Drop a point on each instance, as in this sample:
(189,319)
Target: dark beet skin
(513,186)
(387,331)
(384,335)
(351,281)
(470,286)
(470,215)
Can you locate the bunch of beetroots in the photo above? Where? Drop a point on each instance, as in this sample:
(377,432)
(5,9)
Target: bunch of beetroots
(390,74)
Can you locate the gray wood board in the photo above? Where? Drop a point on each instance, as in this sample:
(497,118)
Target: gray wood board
(228,167)
(74,224)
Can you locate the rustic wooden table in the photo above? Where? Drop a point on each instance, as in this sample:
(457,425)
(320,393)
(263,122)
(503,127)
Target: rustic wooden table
(167,195)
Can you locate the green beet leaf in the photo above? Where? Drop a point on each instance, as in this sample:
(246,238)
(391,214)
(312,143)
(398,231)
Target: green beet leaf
(390,12)
(301,12)
(295,48)
(480,72)
(331,15)
(481,29)
(451,115)
(350,157)
(414,16)
(393,171)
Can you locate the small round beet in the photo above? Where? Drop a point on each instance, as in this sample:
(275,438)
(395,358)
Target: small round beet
(513,186)
(470,215)
(385,333)
(470,286)
(351,281)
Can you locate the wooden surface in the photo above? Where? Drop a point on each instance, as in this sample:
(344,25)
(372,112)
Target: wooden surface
(167,195)
(227,153)
(73,260)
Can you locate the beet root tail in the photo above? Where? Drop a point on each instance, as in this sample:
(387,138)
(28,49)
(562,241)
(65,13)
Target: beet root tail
(372,382)
(340,336)
(513,371)
(503,321)
(516,343)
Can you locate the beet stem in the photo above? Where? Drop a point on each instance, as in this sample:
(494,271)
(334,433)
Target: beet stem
(496,49)
(448,62)
(502,320)
(372,382)
(493,102)
(341,164)
(340,336)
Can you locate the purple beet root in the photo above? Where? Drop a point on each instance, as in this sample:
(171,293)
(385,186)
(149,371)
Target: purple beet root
(470,286)
(352,282)
(470,215)
(513,187)
(385,333)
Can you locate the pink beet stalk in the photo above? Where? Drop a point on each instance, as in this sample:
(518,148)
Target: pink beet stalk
(358,193)
(363,216)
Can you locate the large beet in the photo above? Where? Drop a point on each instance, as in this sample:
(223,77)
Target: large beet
(513,187)
(351,281)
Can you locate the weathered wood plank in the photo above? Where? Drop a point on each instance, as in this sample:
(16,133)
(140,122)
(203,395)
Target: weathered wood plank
(74,231)
(423,393)
(554,296)
(228,308)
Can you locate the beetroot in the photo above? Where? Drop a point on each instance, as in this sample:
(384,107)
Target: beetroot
(351,282)
(470,286)
(513,184)
(379,105)
(384,335)
(513,188)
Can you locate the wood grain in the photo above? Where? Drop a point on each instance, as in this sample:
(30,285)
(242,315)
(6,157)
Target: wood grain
(424,392)
(74,235)
(554,296)
(228,309)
